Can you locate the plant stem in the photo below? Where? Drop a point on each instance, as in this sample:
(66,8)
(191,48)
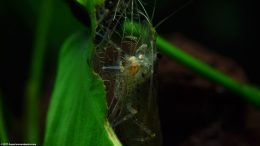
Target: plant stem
(35,78)
(251,93)
(3,134)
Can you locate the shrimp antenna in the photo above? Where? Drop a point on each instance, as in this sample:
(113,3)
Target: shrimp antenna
(144,11)
(154,6)
(173,13)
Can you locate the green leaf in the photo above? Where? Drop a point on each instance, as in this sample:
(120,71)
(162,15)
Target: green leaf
(77,112)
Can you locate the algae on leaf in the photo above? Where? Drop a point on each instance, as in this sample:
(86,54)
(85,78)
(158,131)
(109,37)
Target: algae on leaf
(77,112)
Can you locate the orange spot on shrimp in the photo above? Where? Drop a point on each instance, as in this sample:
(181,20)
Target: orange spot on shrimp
(133,69)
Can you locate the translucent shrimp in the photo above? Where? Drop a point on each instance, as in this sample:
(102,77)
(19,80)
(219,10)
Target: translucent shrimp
(126,63)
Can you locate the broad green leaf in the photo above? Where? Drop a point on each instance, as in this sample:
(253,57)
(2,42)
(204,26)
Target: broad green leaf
(77,112)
